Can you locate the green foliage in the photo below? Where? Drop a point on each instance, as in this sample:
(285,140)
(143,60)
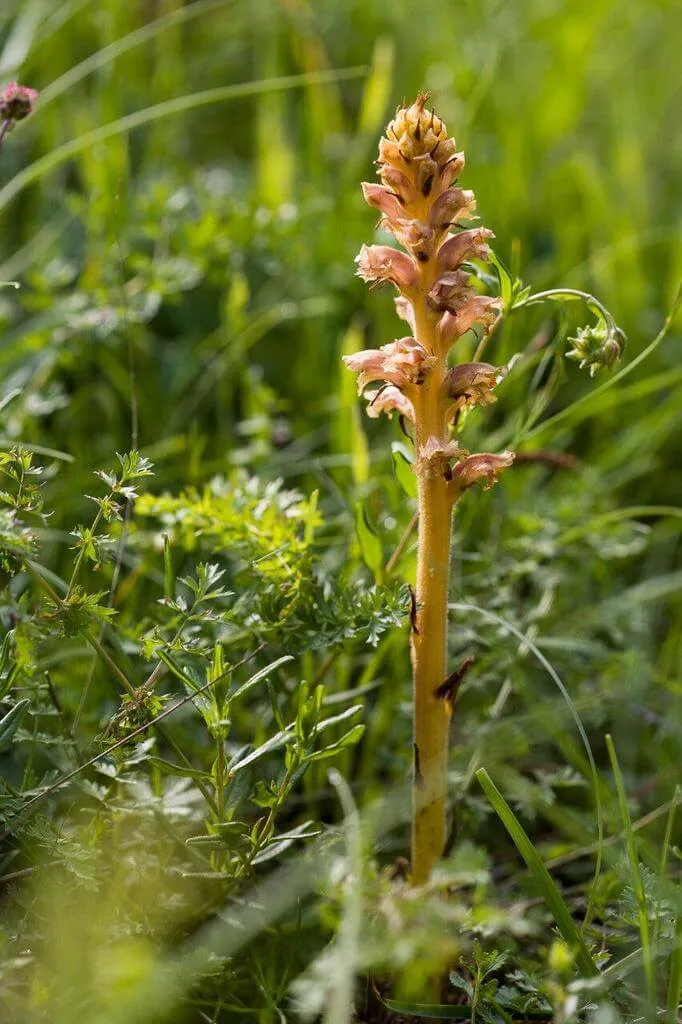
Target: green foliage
(185,655)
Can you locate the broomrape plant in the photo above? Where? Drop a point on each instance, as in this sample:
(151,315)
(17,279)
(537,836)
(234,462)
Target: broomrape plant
(422,206)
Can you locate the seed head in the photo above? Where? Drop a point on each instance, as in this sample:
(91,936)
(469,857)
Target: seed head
(597,346)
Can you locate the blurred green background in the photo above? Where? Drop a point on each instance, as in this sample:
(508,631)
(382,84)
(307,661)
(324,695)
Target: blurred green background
(182,212)
(216,244)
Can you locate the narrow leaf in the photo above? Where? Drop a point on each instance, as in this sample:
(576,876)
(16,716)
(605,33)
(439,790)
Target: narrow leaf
(256,678)
(11,722)
(371,547)
(180,769)
(402,467)
(546,883)
(636,878)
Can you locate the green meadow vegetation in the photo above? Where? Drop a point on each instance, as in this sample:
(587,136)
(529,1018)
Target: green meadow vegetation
(207,549)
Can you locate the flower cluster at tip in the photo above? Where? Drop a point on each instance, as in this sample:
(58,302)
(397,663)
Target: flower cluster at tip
(16,103)
(430,216)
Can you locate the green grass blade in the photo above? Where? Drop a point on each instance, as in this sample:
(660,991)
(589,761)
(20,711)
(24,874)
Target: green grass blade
(619,514)
(674,999)
(168,108)
(340,1004)
(547,885)
(116,49)
(428,1011)
(554,675)
(637,882)
(435,1011)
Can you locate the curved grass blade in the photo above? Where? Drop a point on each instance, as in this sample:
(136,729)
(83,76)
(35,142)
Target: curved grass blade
(556,679)
(120,46)
(637,881)
(635,512)
(340,1005)
(589,399)
(178,105)
(674,1000)
(435,1011)
(548,888)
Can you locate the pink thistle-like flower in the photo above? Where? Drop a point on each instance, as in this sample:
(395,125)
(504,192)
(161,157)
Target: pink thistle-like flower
(377,263)
(17,102)
(389,399)
(481,467)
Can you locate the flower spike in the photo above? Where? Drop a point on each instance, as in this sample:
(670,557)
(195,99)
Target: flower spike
(430,218)
(440,298)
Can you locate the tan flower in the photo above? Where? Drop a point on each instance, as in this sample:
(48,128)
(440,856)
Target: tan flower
(384,200)
(435,457)
(405,311)
(389,399)
(377,263)
(478,309)
(471,384)
(453,205)
(435,448)
(463,246)
(404,363)
(481,467)
(399,183)
(450,292)
(415,235)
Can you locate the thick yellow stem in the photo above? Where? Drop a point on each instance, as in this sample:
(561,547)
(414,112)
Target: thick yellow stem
(429,634)
(429,660)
